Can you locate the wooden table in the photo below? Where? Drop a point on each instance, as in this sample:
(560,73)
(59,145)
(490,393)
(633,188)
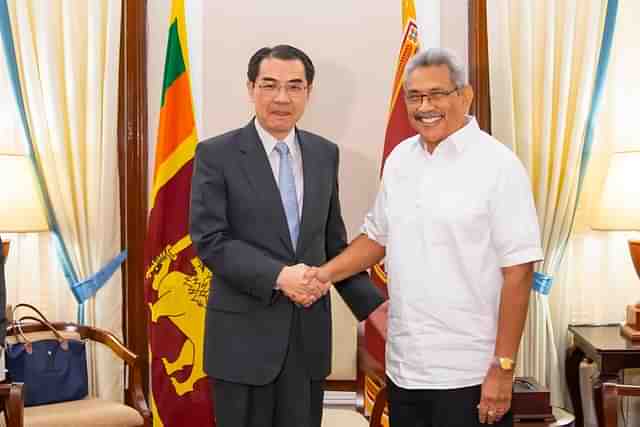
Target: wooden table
(611,351)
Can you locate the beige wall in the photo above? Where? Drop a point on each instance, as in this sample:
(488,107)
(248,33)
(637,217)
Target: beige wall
(353,45)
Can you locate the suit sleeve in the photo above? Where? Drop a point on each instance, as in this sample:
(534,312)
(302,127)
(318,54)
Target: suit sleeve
(358,292)
(242,265)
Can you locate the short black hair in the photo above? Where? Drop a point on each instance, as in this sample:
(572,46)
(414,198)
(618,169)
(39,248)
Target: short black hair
(284,52)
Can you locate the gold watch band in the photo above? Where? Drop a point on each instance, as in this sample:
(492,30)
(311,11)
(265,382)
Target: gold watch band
(504,363)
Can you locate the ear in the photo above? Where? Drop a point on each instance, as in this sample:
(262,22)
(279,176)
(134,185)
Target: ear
(467,96)
(309,88)
(251,89)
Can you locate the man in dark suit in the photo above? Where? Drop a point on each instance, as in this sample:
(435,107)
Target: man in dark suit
(264,206)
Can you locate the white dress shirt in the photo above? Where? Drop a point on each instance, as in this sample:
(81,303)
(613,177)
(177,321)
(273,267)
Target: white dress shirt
(449,221)
(269,144)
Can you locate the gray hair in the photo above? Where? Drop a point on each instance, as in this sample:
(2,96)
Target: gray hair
(438,56)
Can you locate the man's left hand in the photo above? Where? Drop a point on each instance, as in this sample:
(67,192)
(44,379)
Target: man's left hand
(495,399)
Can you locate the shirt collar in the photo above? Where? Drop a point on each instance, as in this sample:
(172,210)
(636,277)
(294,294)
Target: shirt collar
(458,139)
(270,142)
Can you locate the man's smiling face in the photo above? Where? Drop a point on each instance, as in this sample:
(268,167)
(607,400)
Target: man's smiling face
(280,94)
(445,113)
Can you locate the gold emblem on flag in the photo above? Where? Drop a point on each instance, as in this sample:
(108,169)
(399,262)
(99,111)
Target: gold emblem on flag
(412,32)
(378,271)
(182,298)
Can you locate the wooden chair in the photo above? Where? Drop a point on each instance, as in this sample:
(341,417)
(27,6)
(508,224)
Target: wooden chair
(610,393)
(350,362)
(88,410)
(12,398)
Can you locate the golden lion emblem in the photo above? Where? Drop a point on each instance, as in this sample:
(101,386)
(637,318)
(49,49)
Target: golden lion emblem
(182,299)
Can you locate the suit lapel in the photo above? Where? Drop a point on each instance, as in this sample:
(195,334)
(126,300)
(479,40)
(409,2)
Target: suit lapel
(311,167)
(255,164)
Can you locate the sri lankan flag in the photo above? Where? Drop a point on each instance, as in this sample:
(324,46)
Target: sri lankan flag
(176,281)
(398,129)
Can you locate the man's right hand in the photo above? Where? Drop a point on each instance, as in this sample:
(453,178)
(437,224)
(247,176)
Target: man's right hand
(294,284)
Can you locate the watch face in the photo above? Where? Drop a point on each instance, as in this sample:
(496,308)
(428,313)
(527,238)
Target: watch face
(506,363)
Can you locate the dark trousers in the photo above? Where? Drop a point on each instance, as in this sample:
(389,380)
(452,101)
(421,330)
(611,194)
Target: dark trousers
(437,408)
(291,400)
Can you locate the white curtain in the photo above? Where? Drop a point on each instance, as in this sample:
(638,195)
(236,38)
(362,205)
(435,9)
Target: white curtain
(543,56)
(600,276)
(68,56)
(32,271)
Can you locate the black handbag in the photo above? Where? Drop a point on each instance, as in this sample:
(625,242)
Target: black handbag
(52,369)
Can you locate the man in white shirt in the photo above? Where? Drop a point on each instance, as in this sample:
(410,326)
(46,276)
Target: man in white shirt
(455,219)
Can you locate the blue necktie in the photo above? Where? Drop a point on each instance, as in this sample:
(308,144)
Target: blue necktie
(287,185)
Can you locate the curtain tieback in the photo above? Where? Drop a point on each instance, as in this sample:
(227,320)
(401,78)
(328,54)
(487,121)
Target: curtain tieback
(542,283)
(86,289)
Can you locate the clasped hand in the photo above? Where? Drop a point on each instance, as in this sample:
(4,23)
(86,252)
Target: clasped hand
(303,284)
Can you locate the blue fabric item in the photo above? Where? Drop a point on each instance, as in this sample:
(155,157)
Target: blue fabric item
(542,283)
(287,186)
(598,89)
(88,288)
(596,101)
(50,372)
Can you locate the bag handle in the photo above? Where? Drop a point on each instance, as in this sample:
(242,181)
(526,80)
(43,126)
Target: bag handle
(28,345)
(32,308)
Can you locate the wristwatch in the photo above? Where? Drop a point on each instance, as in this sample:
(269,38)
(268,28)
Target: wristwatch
(504,363)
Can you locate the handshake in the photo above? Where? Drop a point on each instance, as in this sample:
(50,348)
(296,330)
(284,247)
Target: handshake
(302,284)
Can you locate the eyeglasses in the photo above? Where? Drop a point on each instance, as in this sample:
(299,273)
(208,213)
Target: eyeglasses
(415,98)
(272,89)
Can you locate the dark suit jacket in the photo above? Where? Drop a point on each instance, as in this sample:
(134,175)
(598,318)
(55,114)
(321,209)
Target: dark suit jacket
(239,229)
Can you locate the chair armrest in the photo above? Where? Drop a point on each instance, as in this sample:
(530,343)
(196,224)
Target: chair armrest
(134,390)
(12,395)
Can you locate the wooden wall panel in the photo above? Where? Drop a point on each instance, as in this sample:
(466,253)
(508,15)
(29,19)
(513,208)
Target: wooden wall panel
(479,63)
(132,162)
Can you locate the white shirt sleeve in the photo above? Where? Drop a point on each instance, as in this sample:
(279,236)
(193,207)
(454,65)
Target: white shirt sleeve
(514,224)
(375,223)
